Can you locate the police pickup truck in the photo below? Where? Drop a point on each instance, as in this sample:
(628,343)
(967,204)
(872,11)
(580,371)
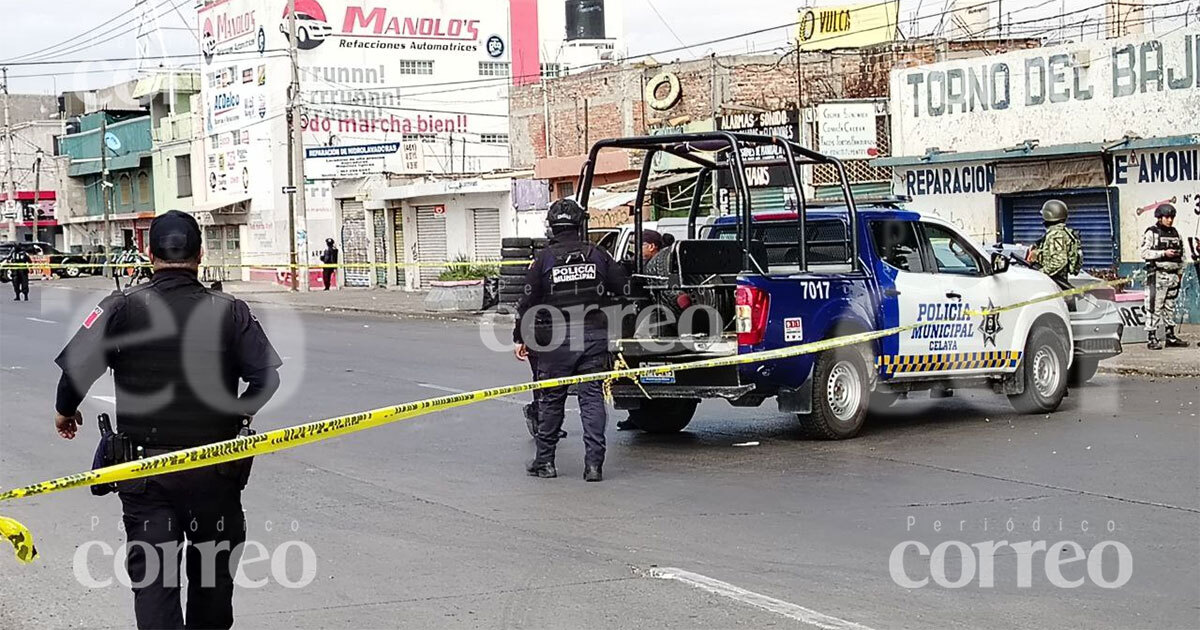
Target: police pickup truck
(754,284)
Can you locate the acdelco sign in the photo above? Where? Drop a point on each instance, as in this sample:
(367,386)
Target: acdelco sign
(377,22)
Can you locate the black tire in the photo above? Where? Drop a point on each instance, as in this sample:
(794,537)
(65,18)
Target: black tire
(71,272)
(513,271)
(841,395)
(1045,369)
(1082,371)
(664,415)
(540,243)
(516,253)
(516,241)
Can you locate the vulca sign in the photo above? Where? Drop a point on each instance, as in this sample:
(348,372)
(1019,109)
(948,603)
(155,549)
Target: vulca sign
(377,21)
(1058,95)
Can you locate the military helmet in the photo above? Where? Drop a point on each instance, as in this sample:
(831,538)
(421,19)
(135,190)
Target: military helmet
(1054,211)
(565,213)
(1164,210)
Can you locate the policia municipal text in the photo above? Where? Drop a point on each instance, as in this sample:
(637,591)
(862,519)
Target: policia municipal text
(177,351)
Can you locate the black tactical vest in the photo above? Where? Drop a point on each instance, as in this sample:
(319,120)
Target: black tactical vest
(1167,238)
(175,370)
(574,278)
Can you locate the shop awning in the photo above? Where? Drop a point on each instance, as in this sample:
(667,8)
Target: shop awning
(223,213)
(1059,174)
(600,199)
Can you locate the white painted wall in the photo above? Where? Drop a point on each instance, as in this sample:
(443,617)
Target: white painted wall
(460,233)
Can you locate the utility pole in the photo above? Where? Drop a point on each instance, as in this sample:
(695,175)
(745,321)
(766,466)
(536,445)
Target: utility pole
(296,200)
(105,187)
(37,194)
(11,199)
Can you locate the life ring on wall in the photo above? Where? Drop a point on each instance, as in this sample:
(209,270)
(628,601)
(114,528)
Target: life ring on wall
(674,92)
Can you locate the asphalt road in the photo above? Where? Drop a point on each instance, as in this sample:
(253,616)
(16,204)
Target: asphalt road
(432,522)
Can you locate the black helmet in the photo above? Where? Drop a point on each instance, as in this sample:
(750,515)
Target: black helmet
(565,213)
(1164,210)
(329,242)
(1054,211)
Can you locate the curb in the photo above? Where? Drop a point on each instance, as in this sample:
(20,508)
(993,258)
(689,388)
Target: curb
(1147,371)
(316,308)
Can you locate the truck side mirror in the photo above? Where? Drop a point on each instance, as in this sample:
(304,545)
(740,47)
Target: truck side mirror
(999,262)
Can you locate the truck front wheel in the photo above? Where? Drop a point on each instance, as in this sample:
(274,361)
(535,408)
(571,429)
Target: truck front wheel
(840,396)
(1045,371)
(664,415)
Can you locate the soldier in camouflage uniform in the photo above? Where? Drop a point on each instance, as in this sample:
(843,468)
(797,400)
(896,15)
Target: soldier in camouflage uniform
(1162,249)
(1060,252)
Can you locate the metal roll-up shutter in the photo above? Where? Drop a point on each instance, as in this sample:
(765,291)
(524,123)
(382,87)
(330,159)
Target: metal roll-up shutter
(861,190)
(355,244)
(487,233)
(1090,214)
(379,223)
(398,231)
(431,241)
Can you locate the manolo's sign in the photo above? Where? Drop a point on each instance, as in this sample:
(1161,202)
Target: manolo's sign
(378,22)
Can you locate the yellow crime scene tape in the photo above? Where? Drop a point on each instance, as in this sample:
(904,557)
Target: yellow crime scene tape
(320,430)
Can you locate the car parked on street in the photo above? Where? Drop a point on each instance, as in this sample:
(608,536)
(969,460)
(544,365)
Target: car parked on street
(57,258)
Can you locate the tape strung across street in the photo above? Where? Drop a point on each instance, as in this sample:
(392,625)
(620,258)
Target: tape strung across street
(291,437)
(362,265)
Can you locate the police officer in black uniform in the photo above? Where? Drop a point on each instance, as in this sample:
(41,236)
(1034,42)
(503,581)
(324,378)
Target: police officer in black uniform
(561,321)
(20,273)
(177,351)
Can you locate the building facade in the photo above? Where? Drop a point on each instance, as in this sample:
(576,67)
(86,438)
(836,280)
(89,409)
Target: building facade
(34,122)
(1109,127)
(126,191)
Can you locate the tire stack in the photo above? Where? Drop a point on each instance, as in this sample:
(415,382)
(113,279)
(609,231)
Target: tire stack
(512,276)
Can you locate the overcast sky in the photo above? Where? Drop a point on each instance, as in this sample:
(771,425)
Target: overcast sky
(34,25)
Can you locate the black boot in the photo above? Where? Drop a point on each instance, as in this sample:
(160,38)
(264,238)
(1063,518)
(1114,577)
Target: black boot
(1152,342)
(1173,341)
(593,472)
(545,470)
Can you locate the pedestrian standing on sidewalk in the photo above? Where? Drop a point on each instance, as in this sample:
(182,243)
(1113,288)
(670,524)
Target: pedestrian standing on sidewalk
(328,257)
(1162,249)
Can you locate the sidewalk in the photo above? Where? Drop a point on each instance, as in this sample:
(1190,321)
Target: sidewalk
(355,300)
(1137,359)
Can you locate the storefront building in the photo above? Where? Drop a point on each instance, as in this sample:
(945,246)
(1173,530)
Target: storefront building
(1109,127)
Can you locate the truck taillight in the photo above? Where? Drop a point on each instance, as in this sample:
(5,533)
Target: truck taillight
(752,307)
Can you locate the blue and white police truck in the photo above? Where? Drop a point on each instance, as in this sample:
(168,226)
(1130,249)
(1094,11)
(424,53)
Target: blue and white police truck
(769,280)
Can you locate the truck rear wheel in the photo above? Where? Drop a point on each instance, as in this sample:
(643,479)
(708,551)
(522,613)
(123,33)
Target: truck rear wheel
(840,396)
(664,415)
(1045,370)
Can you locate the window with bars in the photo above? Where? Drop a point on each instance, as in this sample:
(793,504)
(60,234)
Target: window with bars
(411,66)
(427,138)
(493,138)
(858,170)
(552,70)
(183,176)
(493,68)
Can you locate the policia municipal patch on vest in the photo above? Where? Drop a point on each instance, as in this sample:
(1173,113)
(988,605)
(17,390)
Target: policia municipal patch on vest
(573,273)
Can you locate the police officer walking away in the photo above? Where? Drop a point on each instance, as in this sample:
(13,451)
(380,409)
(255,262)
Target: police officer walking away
(560,321)
(20,273)
(1060,252)
(328,257)
(177,351)
(1162,249)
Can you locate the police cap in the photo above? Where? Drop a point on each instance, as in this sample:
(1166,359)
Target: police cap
(565,213)
(174,236)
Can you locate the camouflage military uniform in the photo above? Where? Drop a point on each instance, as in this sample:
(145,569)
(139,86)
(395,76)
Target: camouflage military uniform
(1163,275)
(1060,253)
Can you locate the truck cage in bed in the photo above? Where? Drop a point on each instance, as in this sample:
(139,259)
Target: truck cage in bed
(716,151)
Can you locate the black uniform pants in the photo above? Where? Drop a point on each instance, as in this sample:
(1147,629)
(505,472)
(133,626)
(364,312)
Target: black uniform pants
(592,357)
(205,507)
(20,282)
(326,276)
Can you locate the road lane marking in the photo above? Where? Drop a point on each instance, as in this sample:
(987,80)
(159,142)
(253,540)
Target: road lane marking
(41,321)
(455,390)
(758,600)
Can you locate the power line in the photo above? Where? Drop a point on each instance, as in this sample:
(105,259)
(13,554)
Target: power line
(71,39)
